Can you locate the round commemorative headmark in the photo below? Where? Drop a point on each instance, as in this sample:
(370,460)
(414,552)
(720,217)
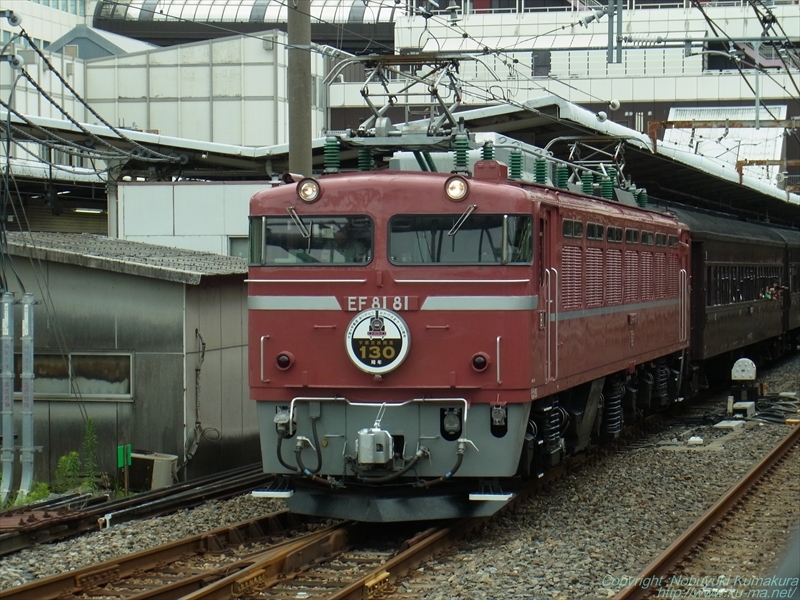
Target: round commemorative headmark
(377,340)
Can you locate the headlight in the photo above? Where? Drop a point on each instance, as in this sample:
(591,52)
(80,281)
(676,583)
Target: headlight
(309,190)
(456,188)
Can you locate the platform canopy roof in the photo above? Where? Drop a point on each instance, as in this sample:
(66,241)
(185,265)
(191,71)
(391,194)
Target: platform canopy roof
(667,170)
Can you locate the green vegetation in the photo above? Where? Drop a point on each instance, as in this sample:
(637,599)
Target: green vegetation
(76,471)
(80,470)
(68,472)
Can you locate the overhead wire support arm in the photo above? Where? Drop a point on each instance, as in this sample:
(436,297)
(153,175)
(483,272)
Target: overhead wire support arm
(447,112)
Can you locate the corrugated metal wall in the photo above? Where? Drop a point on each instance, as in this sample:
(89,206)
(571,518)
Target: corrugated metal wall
(96,311)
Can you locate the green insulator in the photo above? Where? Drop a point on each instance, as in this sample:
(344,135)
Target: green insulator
(612,175)
(587,183)
(515,165)
(461,147)
(562,176)
(487,152)
(331,155)
(641,198)
(364,159)
(607,188)
(540,170)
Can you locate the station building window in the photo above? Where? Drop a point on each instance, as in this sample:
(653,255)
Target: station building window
(79,375)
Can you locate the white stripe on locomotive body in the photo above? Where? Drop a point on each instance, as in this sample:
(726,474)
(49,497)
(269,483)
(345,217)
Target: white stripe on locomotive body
(460,303)
(609,310)
(480,303)
(293,303)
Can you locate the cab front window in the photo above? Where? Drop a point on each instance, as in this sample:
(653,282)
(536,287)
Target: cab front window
(455,240)
(314,240)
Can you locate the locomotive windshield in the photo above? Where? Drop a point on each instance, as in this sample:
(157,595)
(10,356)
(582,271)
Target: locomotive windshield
(311,240)
(479,239)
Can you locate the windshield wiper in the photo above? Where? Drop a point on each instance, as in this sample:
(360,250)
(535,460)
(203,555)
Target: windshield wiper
(461,219)
(298,221)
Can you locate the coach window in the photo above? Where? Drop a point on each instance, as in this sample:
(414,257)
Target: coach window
(647,238)
(661,240)
(632,236)
(301,240)
(672,241)
(451,240)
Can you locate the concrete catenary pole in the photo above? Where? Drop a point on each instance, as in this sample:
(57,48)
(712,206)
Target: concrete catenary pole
(299,85)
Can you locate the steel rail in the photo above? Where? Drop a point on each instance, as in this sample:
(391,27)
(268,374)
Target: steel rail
(88,579)
(291,561)
(24,526)
(664,563)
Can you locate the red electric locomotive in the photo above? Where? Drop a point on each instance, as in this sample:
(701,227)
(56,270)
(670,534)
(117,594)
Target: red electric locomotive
(421,342)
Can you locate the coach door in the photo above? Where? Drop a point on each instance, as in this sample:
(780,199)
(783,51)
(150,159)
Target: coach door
(548,291)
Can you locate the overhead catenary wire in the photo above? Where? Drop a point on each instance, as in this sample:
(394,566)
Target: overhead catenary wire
(71,119)
(717,31)
(94,113)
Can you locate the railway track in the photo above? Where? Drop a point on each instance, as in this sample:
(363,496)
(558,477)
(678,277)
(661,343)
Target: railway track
(74,515)
(244,561)
(279,556)
(719,555)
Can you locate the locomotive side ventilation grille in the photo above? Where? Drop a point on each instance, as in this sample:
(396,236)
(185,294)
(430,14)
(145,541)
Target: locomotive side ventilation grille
(672,276)
(647,275)
(594,277)
(631,276)
(571,288)
(661,276)
(613,277)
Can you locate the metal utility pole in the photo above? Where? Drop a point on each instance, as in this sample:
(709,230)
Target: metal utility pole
(27,375)
(614,9)
(7,380)
(299,85)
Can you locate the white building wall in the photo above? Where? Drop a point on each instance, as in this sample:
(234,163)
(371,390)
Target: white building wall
(579,71)
(228,91)
(42,24)
(190,215)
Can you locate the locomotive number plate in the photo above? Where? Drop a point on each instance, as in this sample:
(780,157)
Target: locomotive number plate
(377,341)
(395,303)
